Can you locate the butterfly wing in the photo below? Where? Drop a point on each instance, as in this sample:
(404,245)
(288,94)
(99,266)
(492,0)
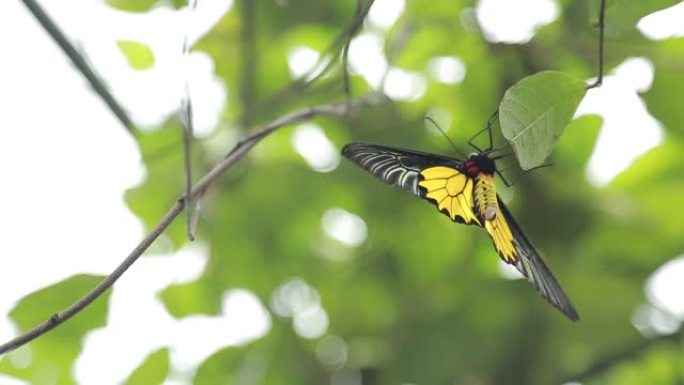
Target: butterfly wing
(451,190)
(514,248)
(435,178)
(395,166)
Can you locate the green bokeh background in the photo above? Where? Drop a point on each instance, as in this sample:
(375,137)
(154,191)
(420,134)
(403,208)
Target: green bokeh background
(421,301)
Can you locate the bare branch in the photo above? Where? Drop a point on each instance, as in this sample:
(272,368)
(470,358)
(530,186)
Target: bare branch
(80,63)
(338,109)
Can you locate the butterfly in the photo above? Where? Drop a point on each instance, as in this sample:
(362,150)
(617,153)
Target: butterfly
(464,190)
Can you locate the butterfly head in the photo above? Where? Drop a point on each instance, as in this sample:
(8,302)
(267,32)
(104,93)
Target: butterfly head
(479,163)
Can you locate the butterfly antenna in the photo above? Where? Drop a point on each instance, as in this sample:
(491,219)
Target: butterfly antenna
(429,119)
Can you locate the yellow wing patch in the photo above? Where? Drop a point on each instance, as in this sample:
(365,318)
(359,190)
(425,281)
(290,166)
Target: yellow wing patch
(451,191)
(500,232)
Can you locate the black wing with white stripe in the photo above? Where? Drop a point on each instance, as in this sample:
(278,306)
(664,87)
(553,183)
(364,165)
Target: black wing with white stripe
(396,166)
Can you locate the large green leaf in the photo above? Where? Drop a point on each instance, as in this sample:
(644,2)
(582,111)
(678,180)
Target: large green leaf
(534,112)
(50,358)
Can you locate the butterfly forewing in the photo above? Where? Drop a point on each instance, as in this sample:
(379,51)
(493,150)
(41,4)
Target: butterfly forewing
(395,166)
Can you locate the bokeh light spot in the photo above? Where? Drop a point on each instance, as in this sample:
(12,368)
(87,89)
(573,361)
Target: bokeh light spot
(346,227)
(505,21)
(447,69)
(319,152)
(384,13)
(404,85)
(302,60)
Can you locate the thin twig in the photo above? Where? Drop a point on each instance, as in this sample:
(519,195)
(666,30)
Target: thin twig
(80,63)
(602,27)
(338,109)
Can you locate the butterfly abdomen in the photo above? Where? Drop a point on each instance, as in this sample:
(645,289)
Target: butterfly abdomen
(485,197)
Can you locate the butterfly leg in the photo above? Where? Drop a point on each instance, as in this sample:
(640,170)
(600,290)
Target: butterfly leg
(488,129)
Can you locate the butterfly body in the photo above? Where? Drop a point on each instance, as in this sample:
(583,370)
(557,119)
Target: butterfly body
(466,193)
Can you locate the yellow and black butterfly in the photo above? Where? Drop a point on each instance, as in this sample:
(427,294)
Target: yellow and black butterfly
(465,192)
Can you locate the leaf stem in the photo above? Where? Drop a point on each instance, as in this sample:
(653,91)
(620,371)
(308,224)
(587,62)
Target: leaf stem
(602,27)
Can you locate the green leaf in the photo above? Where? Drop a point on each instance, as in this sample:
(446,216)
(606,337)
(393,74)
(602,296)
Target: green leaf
(534,112)
(139,55)
(50,358)
(153,371)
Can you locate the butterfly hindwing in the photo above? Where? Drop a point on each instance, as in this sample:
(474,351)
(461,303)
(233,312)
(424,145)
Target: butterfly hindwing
(514,248)
(451,190)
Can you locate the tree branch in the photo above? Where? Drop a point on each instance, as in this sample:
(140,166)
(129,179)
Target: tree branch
(80,63)
(338,109)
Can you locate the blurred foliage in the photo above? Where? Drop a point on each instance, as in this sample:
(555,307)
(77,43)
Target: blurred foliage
(48,360)
(421,300)
(153,371)
(144,5)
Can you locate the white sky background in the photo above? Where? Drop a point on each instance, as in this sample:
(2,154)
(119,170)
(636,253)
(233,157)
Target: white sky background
(66,164)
